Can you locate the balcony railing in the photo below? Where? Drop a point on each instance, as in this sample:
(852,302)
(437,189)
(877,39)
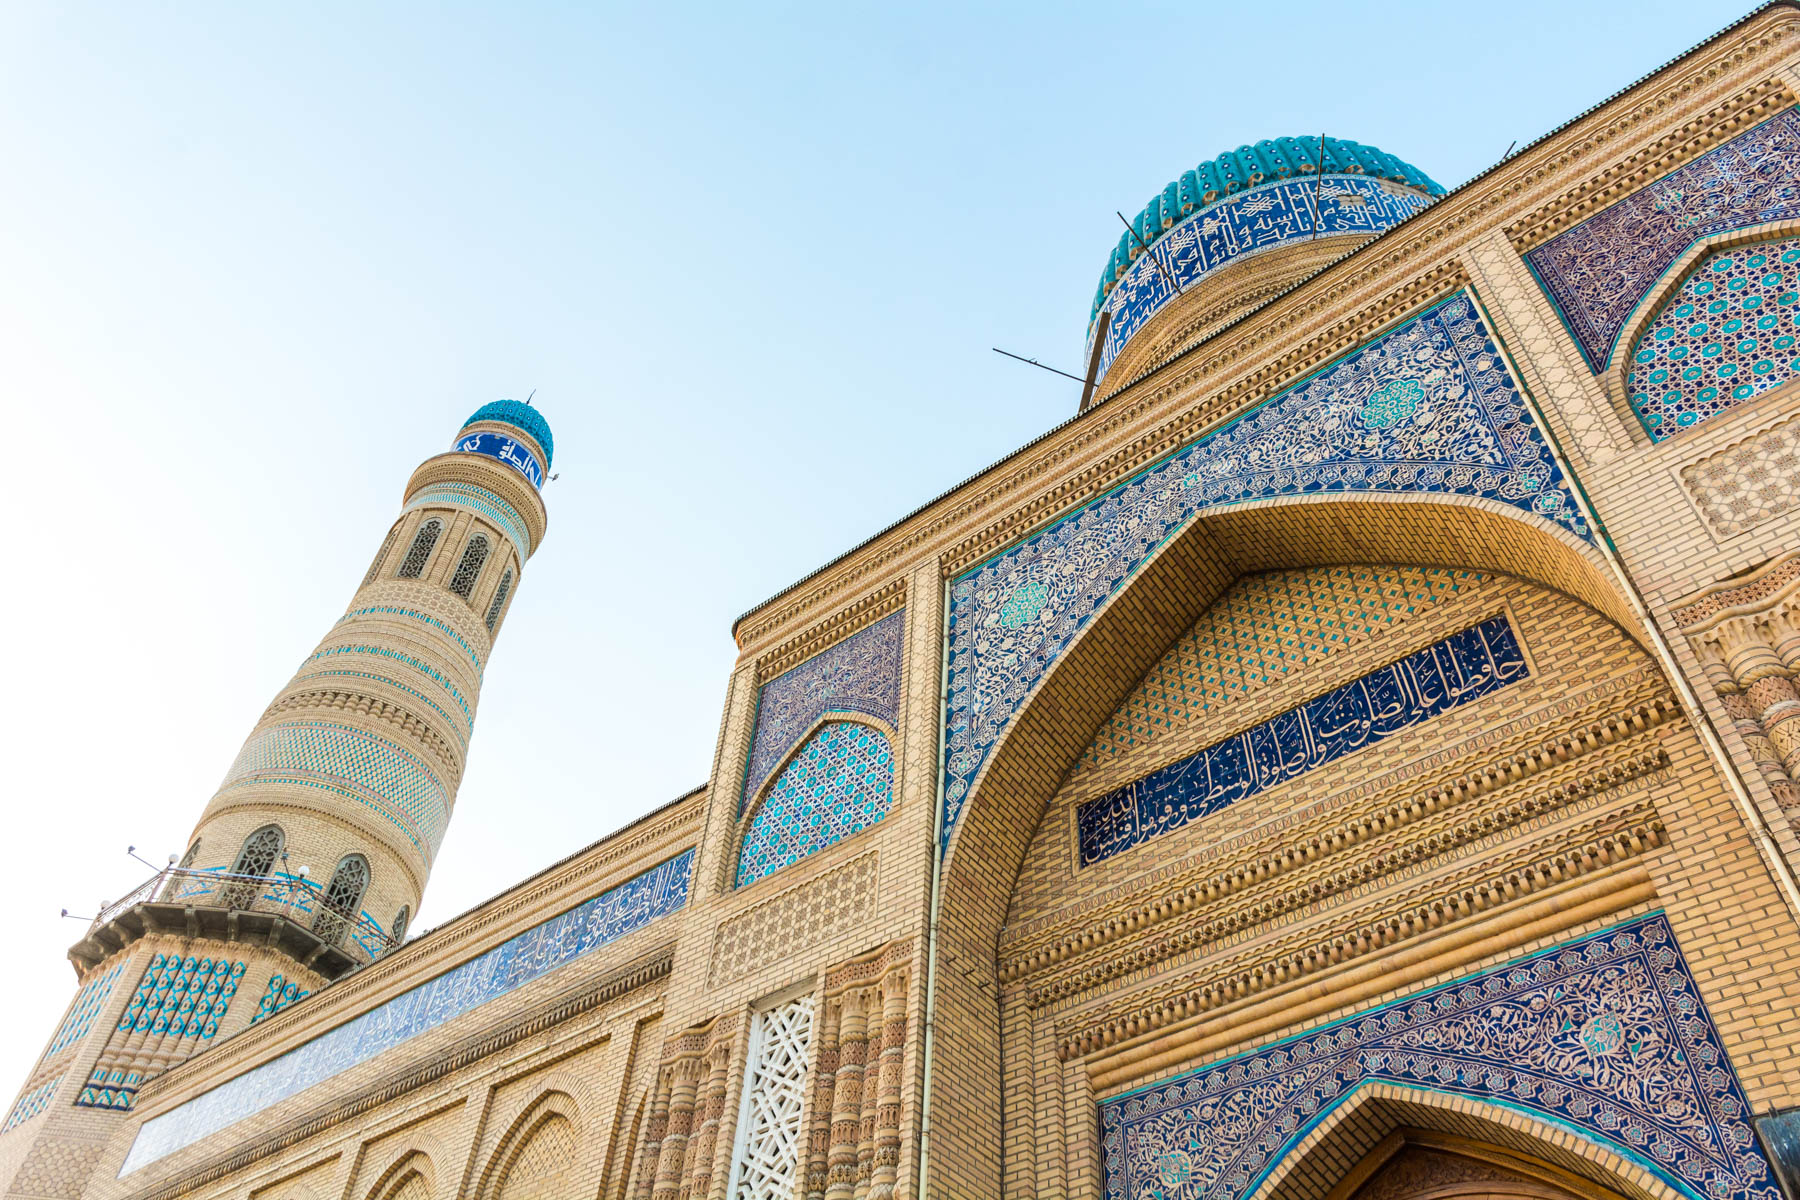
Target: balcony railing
(296,902)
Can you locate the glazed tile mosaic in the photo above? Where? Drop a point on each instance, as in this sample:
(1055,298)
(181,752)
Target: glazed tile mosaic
(413,614)
(840,783)
(1240,227)
(510,451)
(32,1103)
(585,928)
(1426,408)
(177,1010)
(88,1001)
(278,995)
(1459,670)
(388,778)
(1606,1036)
(860,674)
(479,501)
(1728,334)
(1260,629)
(1597,272)
(425,669)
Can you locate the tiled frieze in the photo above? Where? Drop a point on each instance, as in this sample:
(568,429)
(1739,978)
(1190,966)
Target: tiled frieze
(1748,482)
(840,783)
(1459,670)
(1262,628)
(175,1014)
(1597,272)
(860,674)
(1727,335)
(435,624)
(488,505)
(1244,225)
(1606,1035)
(1427,408)
(509,450)
(581,930)
(378,773)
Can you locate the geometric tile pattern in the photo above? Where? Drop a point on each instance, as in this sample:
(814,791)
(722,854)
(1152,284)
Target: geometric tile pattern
(1459,670)
(32,1103)
(515,962)
(766,1163)
(414,614)
(860,674)
(840,783)
(1606,1035)
(176,1011)
(461,735)
(1750,482)
(1597,272)
(88,1002)
(482,503)
(1260,629)
(425,669)
(382,774)
(1728,334)
(1427,407)
(1242,226)
(278,995)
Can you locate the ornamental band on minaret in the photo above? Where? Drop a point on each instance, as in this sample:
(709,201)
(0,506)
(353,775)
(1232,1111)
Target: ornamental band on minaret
(311,857)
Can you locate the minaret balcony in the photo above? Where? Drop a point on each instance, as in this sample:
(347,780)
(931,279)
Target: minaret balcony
(284,912)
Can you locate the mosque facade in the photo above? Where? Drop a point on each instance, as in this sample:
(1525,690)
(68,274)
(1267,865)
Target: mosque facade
(1355,757)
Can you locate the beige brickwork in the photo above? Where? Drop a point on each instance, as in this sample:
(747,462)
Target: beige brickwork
(971,1009)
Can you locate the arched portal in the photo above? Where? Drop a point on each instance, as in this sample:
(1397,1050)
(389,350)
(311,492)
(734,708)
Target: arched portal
(1095,669)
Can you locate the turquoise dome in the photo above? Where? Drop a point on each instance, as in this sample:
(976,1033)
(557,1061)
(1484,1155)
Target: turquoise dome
(1247,166)
(520,416)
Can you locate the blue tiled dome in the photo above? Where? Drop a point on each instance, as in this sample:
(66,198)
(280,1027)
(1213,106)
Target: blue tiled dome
(1247,166)
(521,416)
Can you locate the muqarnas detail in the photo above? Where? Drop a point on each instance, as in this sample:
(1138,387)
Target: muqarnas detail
(1461,669)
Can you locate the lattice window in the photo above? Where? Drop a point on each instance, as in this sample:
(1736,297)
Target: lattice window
(840,783)
(419,553)
(400,919)
(542,1166)
(343,895)
(387,544)
(1727,335)
(499,599)
(255,859)
(469,569)
(187,860)
(765,1165)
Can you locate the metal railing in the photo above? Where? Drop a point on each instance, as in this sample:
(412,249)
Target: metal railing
(297,900)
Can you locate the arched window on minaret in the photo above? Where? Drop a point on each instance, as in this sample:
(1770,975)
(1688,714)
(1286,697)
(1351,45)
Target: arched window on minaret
(255,862)
(387,544)
(499,599)
(469,569)
(419,553)
(398,933)
(187,860)
(343,897)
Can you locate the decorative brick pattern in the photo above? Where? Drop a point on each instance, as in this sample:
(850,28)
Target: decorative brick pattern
(1748,482)
(176,1012)
(815,911)
(1262,628)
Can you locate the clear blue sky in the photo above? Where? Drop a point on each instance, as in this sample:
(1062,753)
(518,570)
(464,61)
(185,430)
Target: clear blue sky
(256,261)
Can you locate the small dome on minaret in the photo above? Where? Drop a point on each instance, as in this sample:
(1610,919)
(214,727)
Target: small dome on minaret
(513,432)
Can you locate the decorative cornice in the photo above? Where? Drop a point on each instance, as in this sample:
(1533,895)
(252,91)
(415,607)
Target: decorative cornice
(1260,971)
(514,488)
(336,1110)
(1359,284)
(1747,594)
(886,599)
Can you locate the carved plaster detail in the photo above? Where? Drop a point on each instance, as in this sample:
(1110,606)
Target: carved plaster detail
(804,915)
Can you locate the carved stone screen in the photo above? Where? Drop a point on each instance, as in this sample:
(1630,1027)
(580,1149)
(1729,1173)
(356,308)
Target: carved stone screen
(765,1165)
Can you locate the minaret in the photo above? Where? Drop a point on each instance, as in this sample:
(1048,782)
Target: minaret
(310,859)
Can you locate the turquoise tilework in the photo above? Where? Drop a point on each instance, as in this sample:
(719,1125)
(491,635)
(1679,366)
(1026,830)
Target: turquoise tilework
(88,1002)
(1727,335)
(426,669)
(483,503)
(413,614)
(280,993)
(32,1103)
(393,781)
(840,783)
(587,927)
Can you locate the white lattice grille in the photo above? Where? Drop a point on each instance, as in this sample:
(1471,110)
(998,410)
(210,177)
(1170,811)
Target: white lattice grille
(766,1165)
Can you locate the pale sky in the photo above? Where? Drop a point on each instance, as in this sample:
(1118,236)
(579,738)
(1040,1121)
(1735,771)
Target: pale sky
(259,260)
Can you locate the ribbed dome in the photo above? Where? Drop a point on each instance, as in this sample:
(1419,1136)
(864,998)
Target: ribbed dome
(521,416)
(1246,167)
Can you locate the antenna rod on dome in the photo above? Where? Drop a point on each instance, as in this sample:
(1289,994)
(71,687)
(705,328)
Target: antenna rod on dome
(533,393)
(1087,385)
(1034,362)
(1132,230)
(1318,187)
